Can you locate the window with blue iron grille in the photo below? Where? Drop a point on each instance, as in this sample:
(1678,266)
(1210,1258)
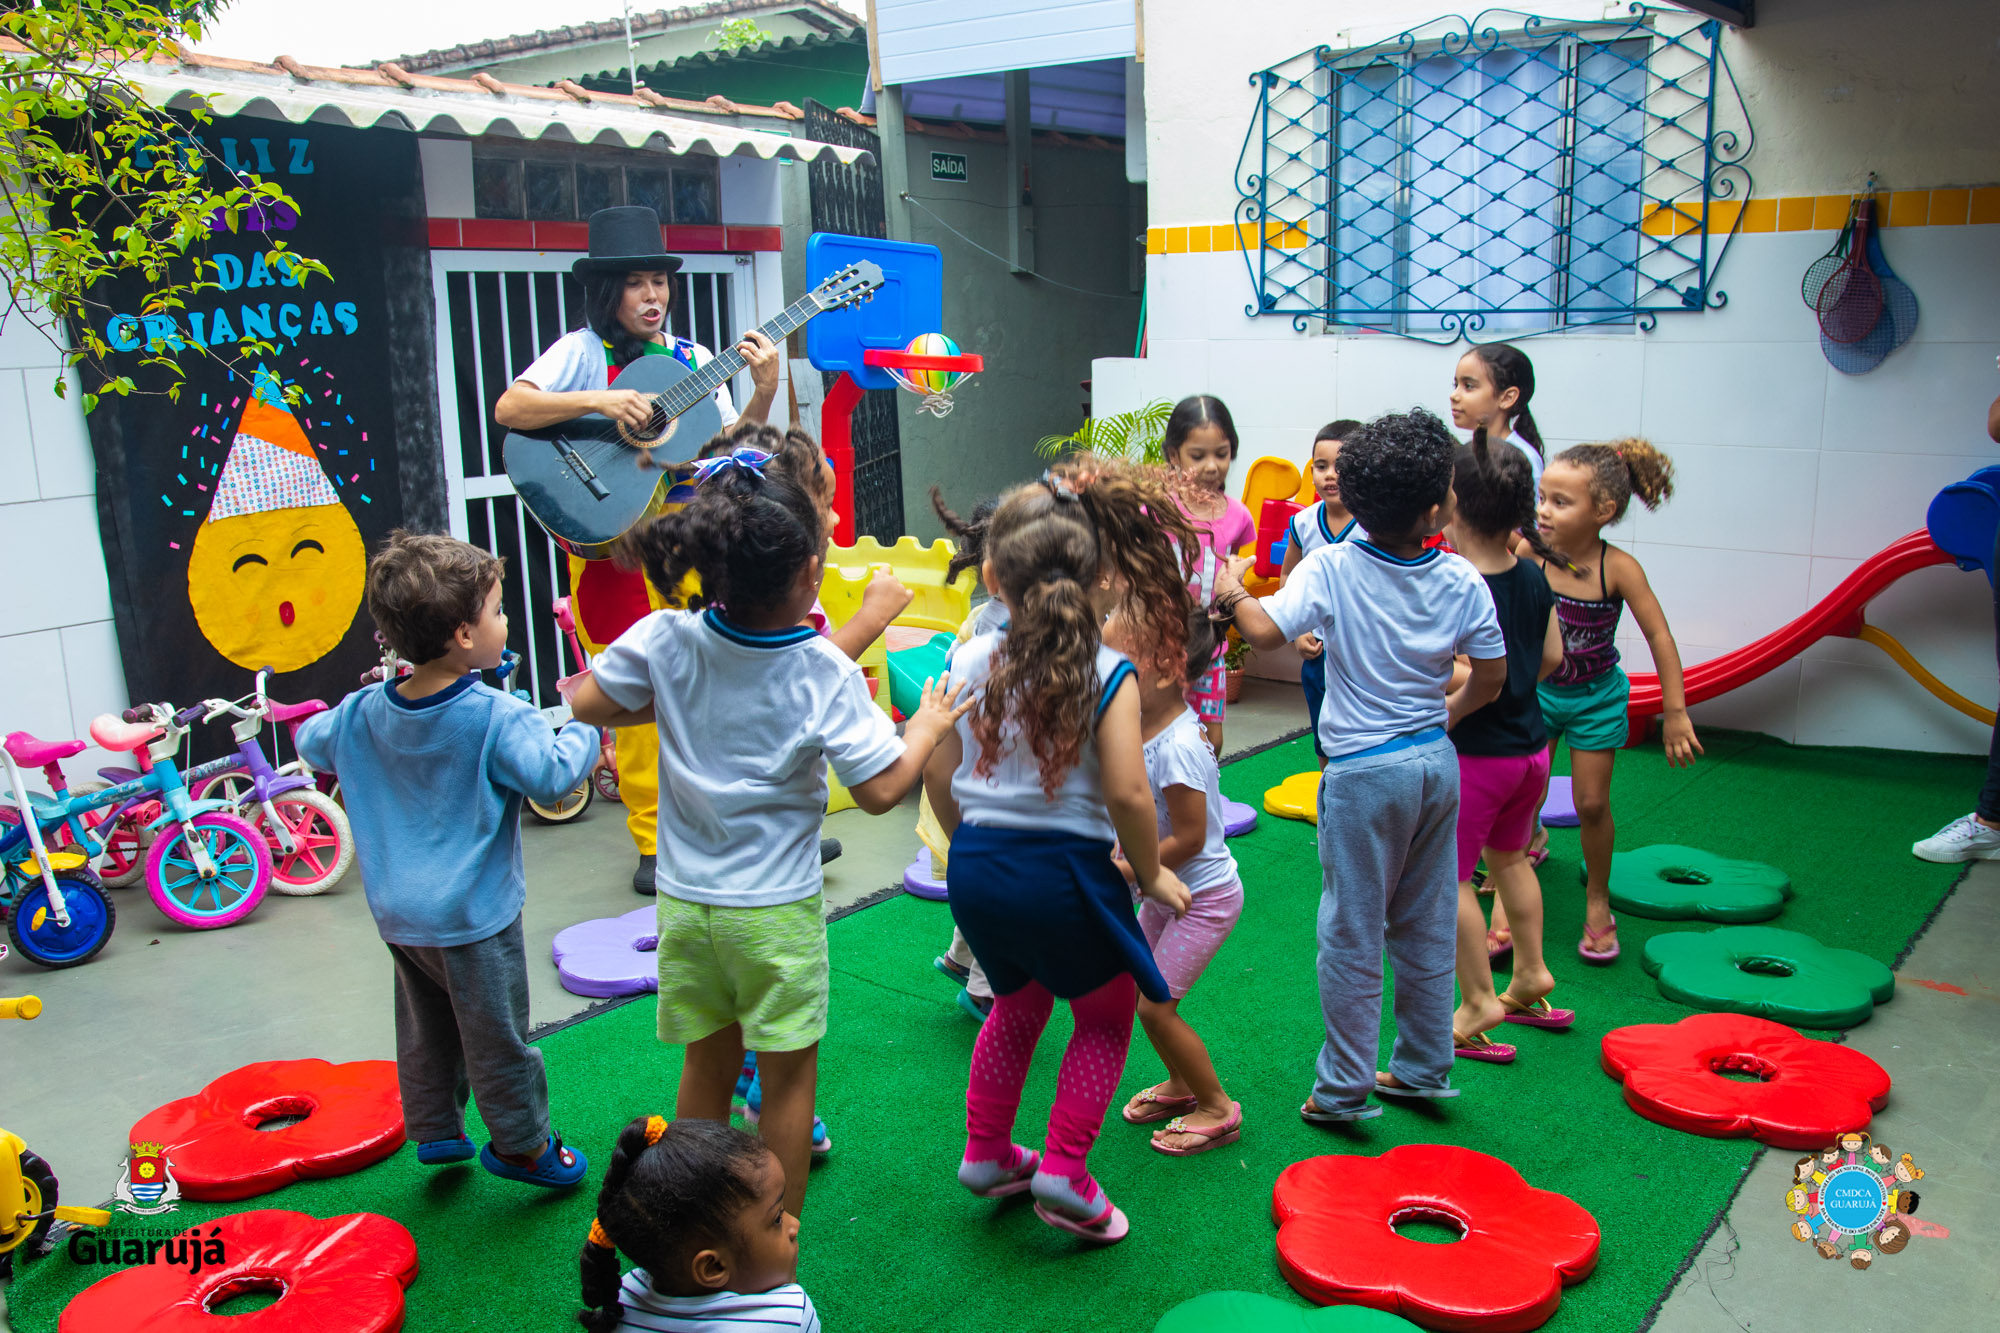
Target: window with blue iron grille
(1502,176)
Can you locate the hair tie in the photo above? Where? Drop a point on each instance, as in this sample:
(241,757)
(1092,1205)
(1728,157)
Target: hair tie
(1061,487)
(599,1237)
(656,1125)
(746,460)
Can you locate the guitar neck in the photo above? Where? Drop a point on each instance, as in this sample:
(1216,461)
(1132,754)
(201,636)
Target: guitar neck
(727,363)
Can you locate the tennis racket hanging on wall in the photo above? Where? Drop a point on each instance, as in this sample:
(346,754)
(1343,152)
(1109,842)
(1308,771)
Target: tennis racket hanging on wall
(1864,310)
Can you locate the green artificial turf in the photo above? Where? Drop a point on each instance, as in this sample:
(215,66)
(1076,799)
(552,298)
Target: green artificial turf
(892,1243)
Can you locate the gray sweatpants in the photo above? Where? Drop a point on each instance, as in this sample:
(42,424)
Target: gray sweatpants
(462,1021)
(1388,849)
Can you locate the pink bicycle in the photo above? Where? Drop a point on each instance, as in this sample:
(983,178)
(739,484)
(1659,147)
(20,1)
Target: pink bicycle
(605,775)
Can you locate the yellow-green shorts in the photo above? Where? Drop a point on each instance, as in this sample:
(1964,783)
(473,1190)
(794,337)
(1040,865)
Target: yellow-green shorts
(763,967)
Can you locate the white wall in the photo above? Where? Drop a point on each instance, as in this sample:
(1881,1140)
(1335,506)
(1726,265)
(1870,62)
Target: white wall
(58,649)
(937,39)
(1789,472)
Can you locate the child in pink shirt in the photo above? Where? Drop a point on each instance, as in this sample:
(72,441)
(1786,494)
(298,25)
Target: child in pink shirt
(1200,445)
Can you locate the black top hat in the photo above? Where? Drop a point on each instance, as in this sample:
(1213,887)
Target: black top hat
(624,239)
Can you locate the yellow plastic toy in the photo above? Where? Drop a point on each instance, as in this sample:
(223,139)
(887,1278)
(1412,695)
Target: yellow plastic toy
(936,606)
(27,1186)
(1297,797)
(1272,479)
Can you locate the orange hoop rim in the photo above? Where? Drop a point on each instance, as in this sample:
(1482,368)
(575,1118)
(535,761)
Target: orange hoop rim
(889,359)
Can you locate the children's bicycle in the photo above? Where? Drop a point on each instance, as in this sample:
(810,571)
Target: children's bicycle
(605,775)
(571,806)
(206,868)
(28,1204)
(310,841)
(56,910)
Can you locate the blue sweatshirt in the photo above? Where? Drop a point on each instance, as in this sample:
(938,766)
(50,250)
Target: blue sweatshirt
(433,789)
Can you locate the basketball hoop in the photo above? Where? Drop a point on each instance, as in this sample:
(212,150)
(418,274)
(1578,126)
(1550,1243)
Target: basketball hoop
(934,371)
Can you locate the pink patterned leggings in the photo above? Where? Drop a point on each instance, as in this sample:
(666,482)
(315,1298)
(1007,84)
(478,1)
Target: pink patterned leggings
(1091,1068)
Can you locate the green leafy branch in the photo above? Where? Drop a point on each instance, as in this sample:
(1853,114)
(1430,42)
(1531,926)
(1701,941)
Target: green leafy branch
(98,186)
(1134,435)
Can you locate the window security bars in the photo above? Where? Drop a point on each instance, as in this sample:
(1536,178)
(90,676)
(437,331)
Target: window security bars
(1505,176)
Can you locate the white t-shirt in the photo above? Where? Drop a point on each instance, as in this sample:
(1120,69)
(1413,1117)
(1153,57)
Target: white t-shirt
(1311,530)
(748,722)
(1534,459)
(1390,627)
(1012,796)
(574,363)
(785,1309)
(1180,757)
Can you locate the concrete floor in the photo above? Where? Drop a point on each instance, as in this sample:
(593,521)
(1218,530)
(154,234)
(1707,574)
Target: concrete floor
(162,1010)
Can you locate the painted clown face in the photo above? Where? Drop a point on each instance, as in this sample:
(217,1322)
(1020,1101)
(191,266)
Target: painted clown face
(277,570)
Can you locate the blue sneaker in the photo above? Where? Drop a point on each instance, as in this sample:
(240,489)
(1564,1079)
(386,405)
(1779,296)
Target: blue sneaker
(558,1168)
(739,1101)
(753,1106)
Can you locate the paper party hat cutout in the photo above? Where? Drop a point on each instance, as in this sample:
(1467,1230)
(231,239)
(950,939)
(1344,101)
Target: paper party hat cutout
(271,463)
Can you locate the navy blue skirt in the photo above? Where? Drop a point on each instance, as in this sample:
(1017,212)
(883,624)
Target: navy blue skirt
(1047,907)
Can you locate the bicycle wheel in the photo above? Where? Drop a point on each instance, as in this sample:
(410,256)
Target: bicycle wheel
(234,786)
(125,847)
(242,872)
(323,844)
(33,926)
(606,781)
(568,808)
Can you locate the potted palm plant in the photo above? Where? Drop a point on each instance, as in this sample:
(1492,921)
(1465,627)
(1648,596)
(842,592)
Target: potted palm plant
(1134,435)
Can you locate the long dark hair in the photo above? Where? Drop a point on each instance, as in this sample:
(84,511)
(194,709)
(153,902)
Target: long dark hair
(968,534)
(1496,494)
(603,293)
(746,534)
(1202,409)
(1511,369)
(662,1203)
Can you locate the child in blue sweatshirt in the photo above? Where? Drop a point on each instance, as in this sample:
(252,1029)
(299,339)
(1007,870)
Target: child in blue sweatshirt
(433,769)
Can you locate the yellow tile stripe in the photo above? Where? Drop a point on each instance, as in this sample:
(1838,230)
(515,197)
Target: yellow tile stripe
(1946,207)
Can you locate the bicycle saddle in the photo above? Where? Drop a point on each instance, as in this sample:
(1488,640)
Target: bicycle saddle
(32,753)
(112,734)
(294,712)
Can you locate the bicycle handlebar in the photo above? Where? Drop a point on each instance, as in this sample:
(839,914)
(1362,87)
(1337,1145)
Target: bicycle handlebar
(138,715)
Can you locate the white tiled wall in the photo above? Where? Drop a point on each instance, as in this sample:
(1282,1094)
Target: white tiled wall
(58,650)
(1788,472)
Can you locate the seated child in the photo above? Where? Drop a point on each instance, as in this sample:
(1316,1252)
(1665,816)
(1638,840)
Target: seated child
(1392,614)
(436,764)
(700,1208)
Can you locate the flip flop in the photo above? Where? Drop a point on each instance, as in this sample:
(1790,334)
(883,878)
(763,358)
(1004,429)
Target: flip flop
(1478,1046)
(1109,1228)
(1212,1136)
(1501,948)
(1538,1014)
(1013,1182)
(951,969)
(1313,1113)
(1417,1094)
(1586,948)
(1538,855)
(1159,1108)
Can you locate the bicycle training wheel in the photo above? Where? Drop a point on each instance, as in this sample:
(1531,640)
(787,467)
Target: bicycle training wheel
(322,842)
(38,1191)
(242,866)
(35,931)
(568,808)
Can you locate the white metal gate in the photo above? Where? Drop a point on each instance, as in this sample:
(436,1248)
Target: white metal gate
(496,311)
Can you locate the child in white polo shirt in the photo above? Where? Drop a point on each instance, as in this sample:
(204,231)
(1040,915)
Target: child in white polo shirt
(1392,615)
(751,707)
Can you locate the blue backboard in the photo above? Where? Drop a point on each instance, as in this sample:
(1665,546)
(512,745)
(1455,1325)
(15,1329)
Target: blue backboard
(911,302)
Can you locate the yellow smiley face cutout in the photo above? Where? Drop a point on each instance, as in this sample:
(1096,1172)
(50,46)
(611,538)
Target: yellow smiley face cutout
(277,570)
(277,589)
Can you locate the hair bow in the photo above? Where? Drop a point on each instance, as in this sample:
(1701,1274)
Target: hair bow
(1060,487)
(746,460)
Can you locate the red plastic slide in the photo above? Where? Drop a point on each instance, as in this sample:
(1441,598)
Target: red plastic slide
(1837,614)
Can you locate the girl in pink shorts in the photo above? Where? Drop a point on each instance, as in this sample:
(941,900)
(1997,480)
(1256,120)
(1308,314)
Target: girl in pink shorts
(1503,756)
(1187,798)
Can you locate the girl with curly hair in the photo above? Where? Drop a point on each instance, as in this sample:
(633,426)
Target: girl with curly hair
(1034,786)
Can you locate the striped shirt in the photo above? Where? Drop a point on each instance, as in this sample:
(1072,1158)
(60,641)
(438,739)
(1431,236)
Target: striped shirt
(785,1309)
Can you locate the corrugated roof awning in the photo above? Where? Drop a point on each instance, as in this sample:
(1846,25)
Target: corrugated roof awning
(392,97)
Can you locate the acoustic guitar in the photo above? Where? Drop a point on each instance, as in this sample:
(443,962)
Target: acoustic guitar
(590,479)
